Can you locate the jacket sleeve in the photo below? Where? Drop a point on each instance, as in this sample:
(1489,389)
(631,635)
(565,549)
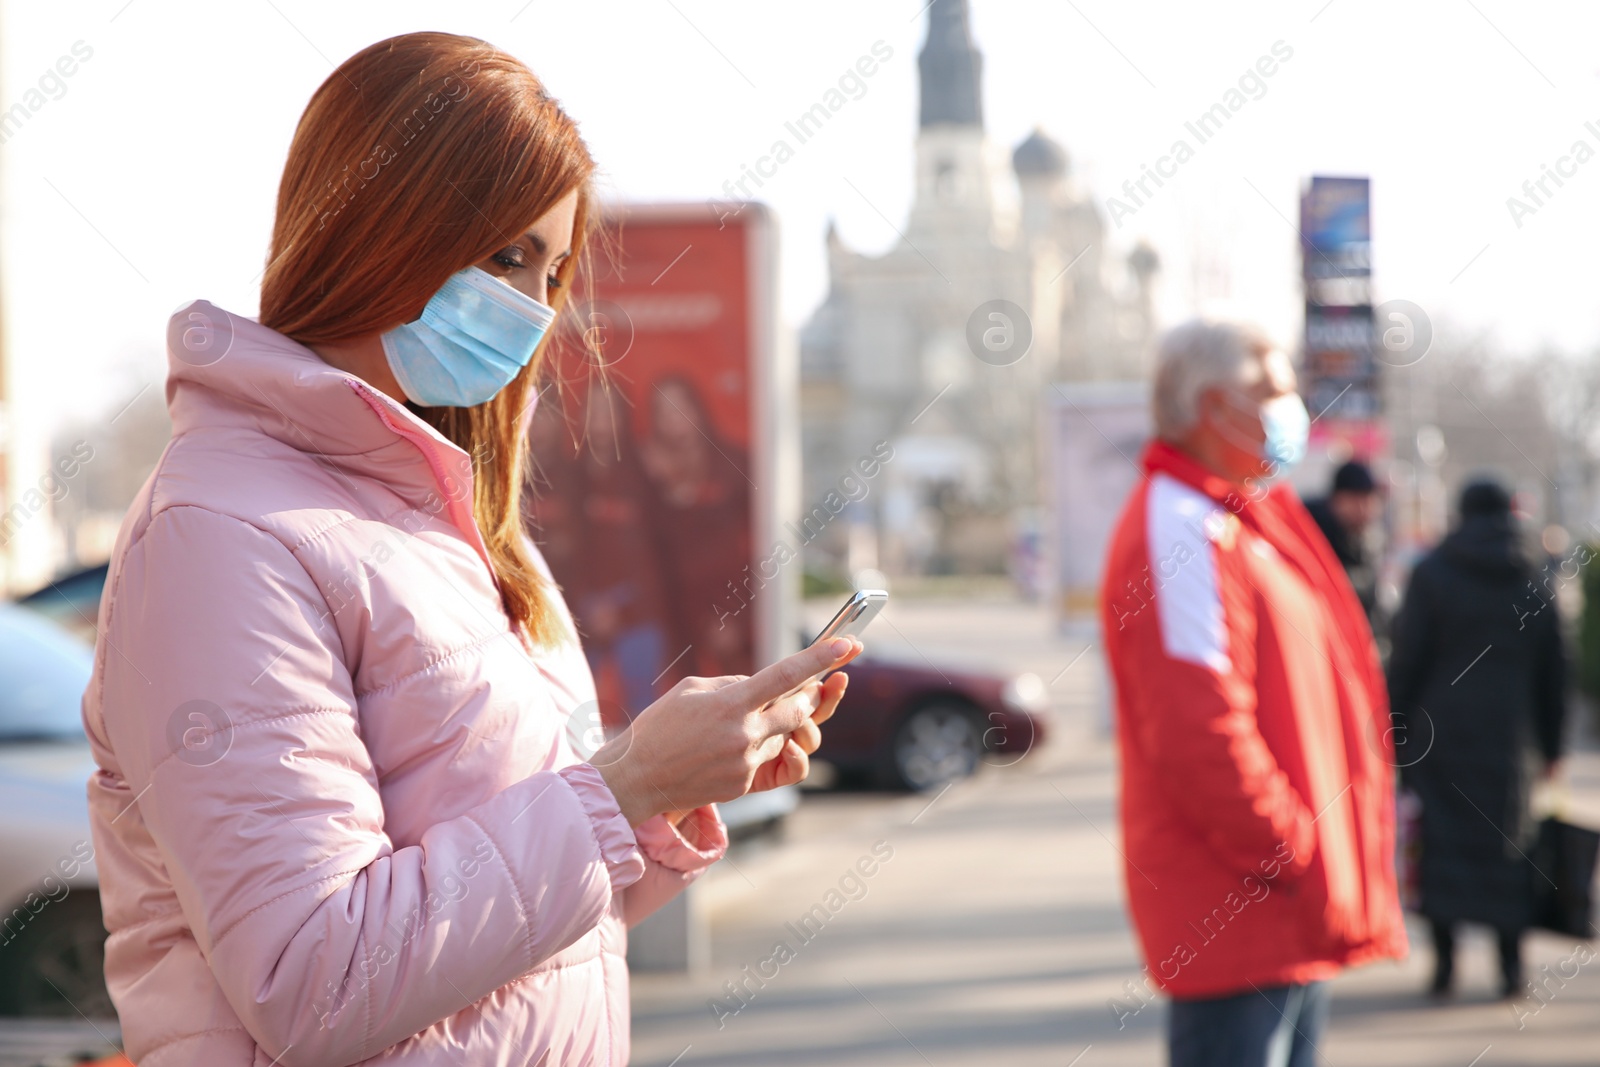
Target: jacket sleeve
(1198,722)
(233,716)
(1411,661)
(673,858)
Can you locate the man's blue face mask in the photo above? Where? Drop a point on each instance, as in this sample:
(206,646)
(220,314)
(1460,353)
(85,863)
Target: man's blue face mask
(1288,427)
(474,335)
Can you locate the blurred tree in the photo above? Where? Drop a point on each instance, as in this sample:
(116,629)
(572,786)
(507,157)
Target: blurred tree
(127,442)
(1500,412)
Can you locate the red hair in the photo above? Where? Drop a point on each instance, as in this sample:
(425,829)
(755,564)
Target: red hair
(420,156)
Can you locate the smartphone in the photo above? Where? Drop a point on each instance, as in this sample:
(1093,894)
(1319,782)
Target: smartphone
(849,621)
(853,617)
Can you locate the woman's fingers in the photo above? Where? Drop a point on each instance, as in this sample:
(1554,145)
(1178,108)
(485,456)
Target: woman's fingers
(808,737)
(788,767)
(796,764)
(776,713)
(791,766)
(832,692)
(768,685)
(825,699)
(770,748)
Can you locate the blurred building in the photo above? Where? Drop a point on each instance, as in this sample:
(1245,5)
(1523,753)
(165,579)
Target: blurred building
(900,331)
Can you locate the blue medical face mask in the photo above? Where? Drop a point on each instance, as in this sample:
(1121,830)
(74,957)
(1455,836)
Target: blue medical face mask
(1288,427)
(475,334)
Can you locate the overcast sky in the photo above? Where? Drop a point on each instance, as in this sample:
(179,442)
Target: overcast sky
(149,181)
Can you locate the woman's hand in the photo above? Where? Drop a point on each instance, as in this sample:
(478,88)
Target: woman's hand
(792,765)
(793,762)
(714,739)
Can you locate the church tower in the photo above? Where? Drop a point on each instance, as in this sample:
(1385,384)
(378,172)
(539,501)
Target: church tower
(952,68)
(895,351)
(954,199)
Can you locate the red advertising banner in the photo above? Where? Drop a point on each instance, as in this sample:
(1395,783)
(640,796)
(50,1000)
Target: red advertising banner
(647,494)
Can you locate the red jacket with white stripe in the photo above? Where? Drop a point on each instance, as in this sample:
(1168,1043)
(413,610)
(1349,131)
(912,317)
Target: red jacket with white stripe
(1257,796)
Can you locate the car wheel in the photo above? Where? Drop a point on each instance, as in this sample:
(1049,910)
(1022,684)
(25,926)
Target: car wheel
(935,744)
(55,965)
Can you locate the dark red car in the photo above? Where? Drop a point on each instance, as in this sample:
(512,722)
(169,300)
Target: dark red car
(917,726)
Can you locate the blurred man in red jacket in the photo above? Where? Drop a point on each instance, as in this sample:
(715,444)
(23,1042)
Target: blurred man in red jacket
(1252,719)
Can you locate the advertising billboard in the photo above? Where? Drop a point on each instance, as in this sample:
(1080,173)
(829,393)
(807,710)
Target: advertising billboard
(1340,369)
(653,474)
(1095,433)
(1336,225)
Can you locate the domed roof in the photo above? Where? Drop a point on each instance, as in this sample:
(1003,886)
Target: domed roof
(1143,260)
(1039,155)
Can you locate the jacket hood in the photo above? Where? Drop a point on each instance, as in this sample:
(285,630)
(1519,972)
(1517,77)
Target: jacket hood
(1488,545)
(225,369)
(228,372)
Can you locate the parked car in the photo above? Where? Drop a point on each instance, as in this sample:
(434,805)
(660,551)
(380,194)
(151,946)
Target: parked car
(73,600)
(52,939)
(916,726)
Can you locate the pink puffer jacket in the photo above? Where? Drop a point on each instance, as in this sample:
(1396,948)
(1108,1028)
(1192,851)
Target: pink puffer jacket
(338,818)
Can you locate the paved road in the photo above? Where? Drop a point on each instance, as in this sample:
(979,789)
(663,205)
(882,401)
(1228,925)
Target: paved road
(995,933)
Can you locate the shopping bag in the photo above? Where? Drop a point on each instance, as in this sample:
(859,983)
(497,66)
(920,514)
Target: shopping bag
(1408,848)
(1563,880)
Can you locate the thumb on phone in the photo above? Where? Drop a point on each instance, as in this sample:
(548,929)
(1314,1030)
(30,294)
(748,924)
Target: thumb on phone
(767,685)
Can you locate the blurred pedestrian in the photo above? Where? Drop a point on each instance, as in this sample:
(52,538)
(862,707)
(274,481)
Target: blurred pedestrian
(1346,517)
(346,808)
(1477,683)
(1256,805)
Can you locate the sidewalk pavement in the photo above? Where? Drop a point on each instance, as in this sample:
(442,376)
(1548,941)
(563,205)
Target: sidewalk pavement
(60,1042)
(992,928)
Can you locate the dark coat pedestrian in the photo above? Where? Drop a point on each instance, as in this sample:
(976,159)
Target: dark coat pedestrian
(1353,484)
(1476,686)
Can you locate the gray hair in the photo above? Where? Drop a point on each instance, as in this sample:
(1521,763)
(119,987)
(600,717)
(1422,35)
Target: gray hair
(1197,356)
